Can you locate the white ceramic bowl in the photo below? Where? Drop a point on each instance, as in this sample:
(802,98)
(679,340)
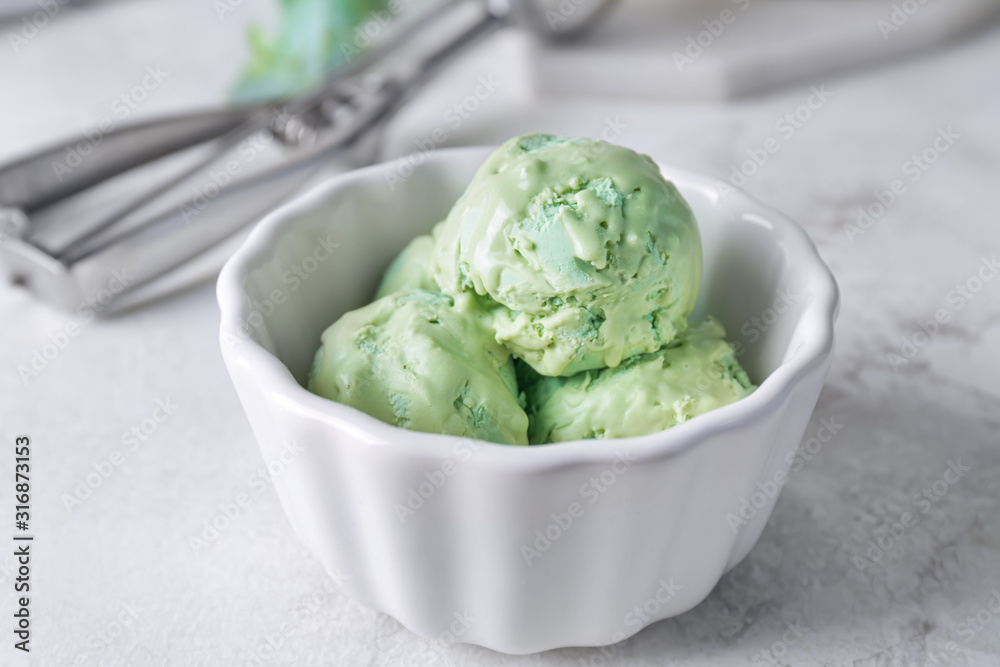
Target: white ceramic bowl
(513,548)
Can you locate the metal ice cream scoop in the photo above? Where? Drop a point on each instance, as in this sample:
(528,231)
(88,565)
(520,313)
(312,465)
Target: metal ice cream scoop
(120,215)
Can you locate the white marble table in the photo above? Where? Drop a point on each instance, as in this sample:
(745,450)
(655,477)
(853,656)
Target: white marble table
(117,581)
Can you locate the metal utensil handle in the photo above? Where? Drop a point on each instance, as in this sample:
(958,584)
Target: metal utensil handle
(52,174)
(168,240)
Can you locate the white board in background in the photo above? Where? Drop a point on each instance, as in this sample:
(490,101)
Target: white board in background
(763,43)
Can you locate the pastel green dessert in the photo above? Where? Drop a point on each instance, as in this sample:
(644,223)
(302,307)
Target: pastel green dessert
(423,361)
(315,37)
(576,257)
(409,269)
(694,374)
(582,251)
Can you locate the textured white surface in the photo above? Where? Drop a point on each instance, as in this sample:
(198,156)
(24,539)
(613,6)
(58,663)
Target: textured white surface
(128,543)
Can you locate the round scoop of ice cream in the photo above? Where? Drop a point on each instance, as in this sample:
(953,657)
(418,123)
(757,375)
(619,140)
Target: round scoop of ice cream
(411,268)
(585,253)
(645,394)
(423,361)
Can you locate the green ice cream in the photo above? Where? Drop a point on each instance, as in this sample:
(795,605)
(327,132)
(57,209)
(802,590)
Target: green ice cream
(423,361)
(695,373)
(315,38)
(585,255)
(409,269)
(575,256)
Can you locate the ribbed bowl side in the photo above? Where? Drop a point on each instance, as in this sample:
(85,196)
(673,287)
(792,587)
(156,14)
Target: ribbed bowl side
(466,556)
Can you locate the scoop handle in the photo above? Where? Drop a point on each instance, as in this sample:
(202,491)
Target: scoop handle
(68,168)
